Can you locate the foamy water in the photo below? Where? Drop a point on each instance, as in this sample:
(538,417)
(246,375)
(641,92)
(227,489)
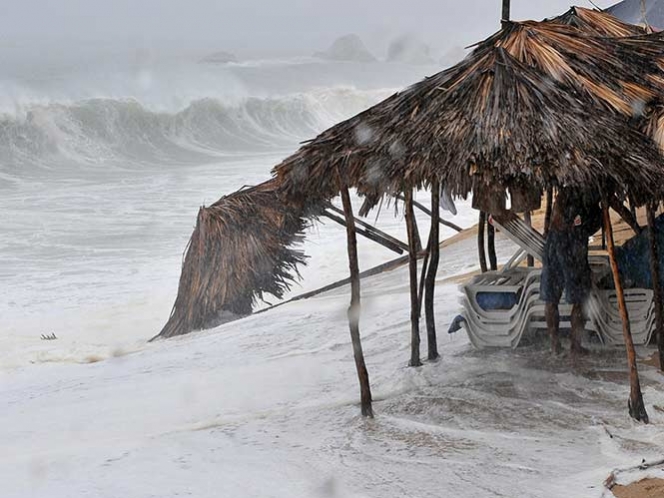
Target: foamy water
(100,193)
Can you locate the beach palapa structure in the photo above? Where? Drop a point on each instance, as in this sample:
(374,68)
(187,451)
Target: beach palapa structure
(537,106)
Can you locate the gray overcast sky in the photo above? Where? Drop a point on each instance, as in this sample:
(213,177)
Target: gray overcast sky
(268,26)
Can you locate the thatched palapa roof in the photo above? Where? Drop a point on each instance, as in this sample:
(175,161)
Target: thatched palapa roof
(241,249)
(537,104)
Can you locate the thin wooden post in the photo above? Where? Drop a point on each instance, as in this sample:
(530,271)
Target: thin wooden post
(412,267)
(549,211)
(481,227)
(427,211)
(656,283)
(506,13)
(370,233)
(491,245)
(527,217)
(425,265)
(432,270)
(637,409)
(354,309)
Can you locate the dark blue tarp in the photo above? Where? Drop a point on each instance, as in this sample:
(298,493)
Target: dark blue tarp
(630,12)
(634,258)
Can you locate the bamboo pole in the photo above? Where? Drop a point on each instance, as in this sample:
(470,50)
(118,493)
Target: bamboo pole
(354,309)
(656,283)
(432,270)
(637,409)
(412,267)
(481,227)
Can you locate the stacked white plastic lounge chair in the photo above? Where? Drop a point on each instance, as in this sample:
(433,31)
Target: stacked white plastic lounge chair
(500,307)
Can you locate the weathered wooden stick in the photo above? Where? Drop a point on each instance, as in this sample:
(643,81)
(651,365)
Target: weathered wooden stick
(506,13)
(371,228)
(625,214)
(412,267)
(354,309)
(432,270)
(527,217)
(426,210)
(481,228)
(425,265)
(637,409)
(374,236)
(491,246)
(656,283)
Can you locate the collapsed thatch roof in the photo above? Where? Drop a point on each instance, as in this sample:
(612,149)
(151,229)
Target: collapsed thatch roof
(537,104)
(241,249)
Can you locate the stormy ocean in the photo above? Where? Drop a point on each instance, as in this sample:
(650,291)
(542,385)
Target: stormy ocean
(104,164)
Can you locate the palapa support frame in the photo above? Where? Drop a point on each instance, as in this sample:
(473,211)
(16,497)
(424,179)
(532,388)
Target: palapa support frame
(637,409)
(432,270)
(481,228)
(354,309)
(415,360)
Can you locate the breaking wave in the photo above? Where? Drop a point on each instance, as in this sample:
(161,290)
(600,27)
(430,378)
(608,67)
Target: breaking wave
(101,131)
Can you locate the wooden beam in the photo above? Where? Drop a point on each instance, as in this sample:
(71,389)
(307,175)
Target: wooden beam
(372,229)
(491,245)
(412,267)
(625,213)
(656,283)
(354,309)
(426,210)
(506,13)
(481,228)
(374,235)
(432,270)
(637,409)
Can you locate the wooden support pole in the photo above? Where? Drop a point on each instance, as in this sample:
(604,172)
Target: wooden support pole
(412,267)
(527,217)
(425,265)
(491,245)
(481,228)
(432,270)
(354,309)
(549,211)
(371,228)
(628,215)
(426,210)
(372,234)
(637,409)
(656,283)
(506,13)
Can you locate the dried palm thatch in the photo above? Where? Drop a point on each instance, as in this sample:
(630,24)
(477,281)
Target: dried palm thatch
(538,104)
(241,249)
(598,23)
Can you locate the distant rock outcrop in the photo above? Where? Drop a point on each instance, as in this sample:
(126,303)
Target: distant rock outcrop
(219,58)
(409,50)
(348,48)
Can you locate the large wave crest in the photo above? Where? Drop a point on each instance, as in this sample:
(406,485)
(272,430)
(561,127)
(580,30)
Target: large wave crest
(100,131)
